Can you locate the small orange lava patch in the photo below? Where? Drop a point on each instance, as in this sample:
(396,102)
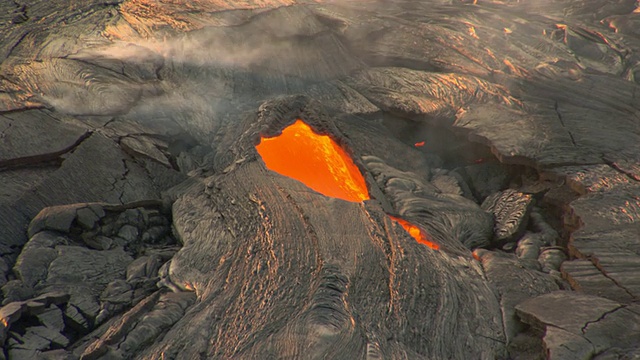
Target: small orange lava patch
(315,160)
(416,233)
(419,144)
(477,256)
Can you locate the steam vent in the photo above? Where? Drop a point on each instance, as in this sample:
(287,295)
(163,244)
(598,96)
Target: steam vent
(351,179)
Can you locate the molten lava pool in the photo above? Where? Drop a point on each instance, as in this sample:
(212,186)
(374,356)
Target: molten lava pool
(315,160)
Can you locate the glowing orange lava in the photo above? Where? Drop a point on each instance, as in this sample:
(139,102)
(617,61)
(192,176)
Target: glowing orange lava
(315,160)
(419,144)
(477,256)
(416,233)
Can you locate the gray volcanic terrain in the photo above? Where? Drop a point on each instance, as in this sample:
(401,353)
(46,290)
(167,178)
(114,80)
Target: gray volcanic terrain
(495,147)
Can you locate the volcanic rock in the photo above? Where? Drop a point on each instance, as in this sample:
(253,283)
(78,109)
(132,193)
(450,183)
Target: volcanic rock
(50,334)
(594,325)
(117,296)
(59,354)
(118,291)
(10,313)
(75,320)
(27,345)
(143,267)
(584,276)
(164,103)
(545,232)
(33,263)
(36,137)
(55,298)
(486,178)
(511,212)
(129,233)
(52,318)
(611,215)
(58,218)
(142,146)
(513,285)
(98,242)
(100,182)
(154,234)
(16,290)
(551,259)
(450,182)
(206,242)
(4,268)
(87,218)
(169,308)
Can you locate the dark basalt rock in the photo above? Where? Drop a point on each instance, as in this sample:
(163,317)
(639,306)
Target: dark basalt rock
(551,259)
(117,330)
(143,267)
(513,285)
(421,95)
(33,263)
(619,353)
(511,213)
(450,182)
(612,215)
(163,102)
(55,263)
(16,290)
(593,325)
(4,269)
(59,218)
(10,314)
(584,276)
(75,320)
(166,312)
(536,248)
(59,354)
(87,217)
(52,318)
(98,242)
(117,296)
(32,326)
(486,178)
(36,136)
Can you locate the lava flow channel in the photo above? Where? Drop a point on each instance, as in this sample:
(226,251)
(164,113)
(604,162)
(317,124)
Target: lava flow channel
(322,165)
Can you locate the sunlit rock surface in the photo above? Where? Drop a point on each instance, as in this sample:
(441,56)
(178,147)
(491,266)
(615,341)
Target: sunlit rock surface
(155,108)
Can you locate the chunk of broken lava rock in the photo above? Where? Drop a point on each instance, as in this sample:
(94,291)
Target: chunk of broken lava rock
(580,326)
(83,264)
(510,209)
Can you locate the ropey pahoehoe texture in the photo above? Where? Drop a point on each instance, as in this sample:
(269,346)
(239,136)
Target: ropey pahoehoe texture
(138,220)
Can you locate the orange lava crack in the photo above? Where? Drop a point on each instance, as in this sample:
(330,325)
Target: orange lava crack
(416,233)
